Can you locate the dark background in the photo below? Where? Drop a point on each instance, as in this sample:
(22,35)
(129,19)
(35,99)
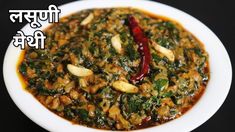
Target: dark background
(218,15)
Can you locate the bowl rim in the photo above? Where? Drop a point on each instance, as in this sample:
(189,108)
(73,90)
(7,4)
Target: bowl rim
(206,106)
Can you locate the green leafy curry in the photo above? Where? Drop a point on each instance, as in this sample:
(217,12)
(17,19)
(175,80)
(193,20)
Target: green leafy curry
(85,72)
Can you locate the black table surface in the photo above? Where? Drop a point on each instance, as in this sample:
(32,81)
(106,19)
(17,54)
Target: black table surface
(218,15)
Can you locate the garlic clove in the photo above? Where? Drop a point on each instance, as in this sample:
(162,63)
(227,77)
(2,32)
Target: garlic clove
(117,43)
(166,52)
(87,20)
(79,71)
(125,87)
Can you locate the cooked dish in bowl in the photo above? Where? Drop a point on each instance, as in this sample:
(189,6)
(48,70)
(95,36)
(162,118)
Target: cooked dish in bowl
(116,69)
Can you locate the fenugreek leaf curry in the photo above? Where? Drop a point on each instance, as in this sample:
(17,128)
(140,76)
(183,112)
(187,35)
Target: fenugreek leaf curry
(116,69)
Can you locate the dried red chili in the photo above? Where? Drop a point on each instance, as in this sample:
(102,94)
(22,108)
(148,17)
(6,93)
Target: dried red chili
(143,49)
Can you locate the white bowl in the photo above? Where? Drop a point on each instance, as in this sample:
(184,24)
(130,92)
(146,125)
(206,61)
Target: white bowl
(215,93)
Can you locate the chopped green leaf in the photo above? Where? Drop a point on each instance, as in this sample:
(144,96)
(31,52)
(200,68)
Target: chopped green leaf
(167,94)
(69,113)
(45,91)
(160,84)
(131,52)
(165,42)
(198,52)
(23,68)
(156,58)
(82,113)
(135,103)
